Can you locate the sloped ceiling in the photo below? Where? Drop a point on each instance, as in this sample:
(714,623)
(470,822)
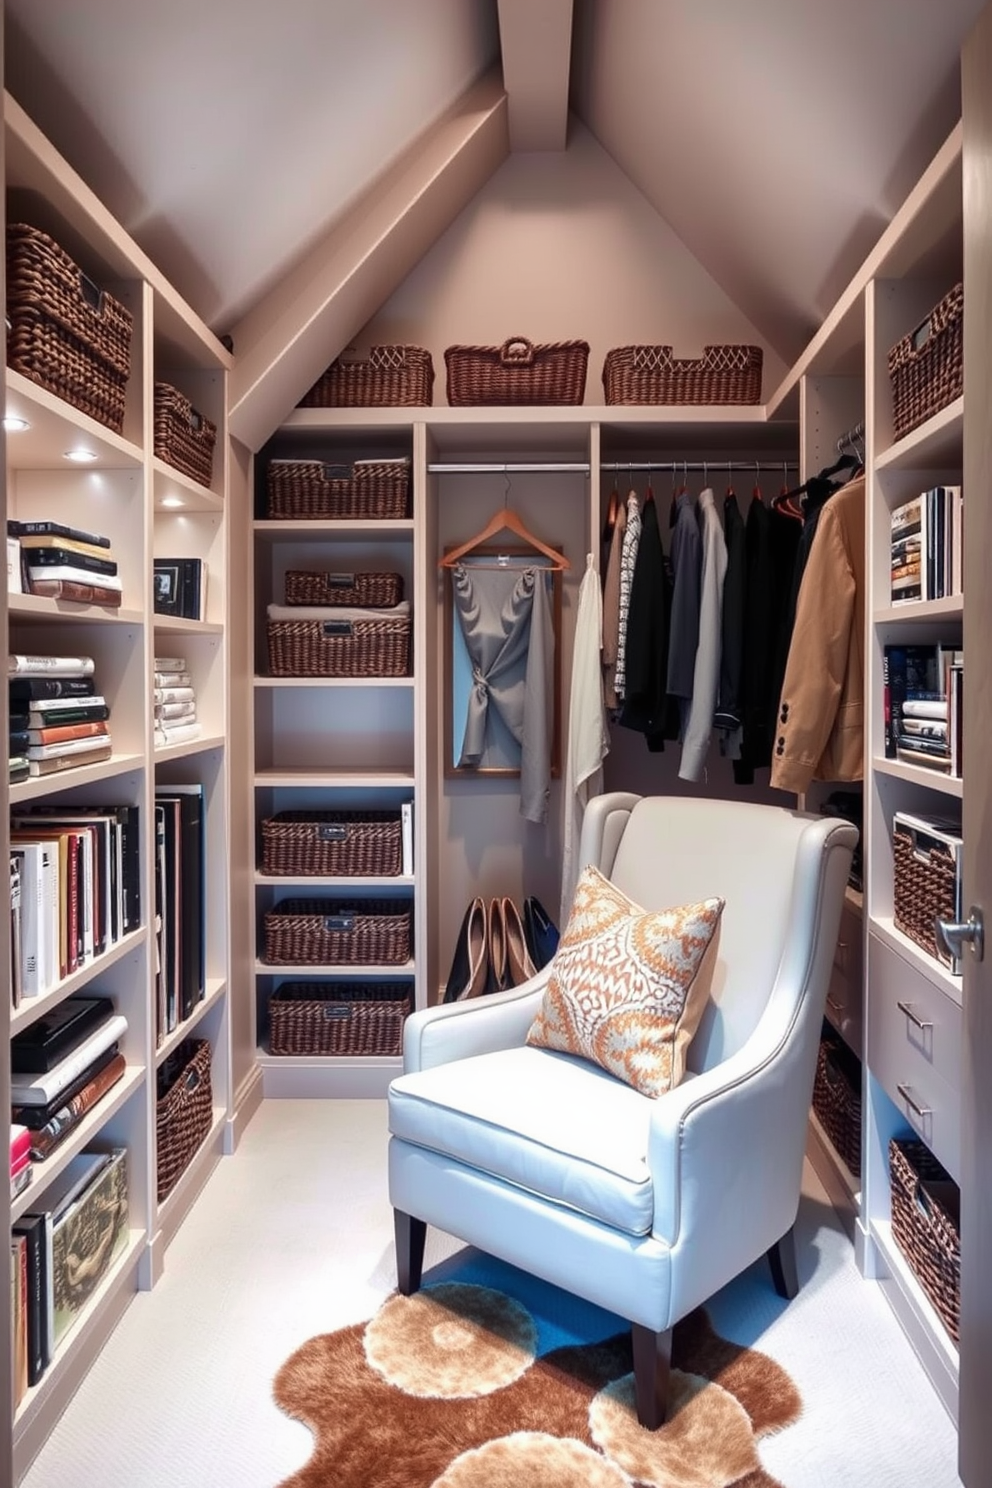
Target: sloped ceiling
(776,137)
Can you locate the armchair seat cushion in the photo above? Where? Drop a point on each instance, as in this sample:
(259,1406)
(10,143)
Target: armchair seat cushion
(546,1122)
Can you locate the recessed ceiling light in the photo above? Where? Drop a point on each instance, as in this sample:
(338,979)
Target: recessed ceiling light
(173,501)
(80,455)
(15,425)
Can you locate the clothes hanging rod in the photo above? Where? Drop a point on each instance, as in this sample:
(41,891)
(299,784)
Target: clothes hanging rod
(851,437)
(544,468)
(717,467)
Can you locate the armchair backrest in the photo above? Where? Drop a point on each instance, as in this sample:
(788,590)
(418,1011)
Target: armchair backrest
(777,872)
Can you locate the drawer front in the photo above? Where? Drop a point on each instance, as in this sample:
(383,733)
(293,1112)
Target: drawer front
(845,1000)
(914,1049)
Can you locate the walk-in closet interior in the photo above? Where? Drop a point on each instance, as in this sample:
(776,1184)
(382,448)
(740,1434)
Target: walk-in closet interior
(290,662)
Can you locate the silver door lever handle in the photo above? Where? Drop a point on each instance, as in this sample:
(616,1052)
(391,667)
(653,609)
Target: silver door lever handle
(952,936)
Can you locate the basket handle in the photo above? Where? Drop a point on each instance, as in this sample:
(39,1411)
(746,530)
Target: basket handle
(336,628)
(517,352)
(339,580)
(91,293)
(336,472)
(192,1079)
(339,922)
(919,338)
(195,420)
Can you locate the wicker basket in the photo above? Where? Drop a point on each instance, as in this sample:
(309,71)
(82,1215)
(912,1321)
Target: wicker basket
(338,1018)
(335,843)
(373,647)
(338,932)
(184,438)
(307,587)
(650,374)
(183,1112)
(926,368)
(392,377)
(368,490)
(926,885)
(64,332)
(926,1224)
(517,372)
(837,1101)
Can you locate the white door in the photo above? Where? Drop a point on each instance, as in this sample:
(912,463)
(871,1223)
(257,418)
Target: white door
(975,1401)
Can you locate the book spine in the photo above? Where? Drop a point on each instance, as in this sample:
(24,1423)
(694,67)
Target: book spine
(45,689)
(56,529)
(25,664)
(69,558)
(47,1138)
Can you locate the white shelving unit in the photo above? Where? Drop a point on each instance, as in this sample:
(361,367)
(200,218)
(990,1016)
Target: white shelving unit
(146,508)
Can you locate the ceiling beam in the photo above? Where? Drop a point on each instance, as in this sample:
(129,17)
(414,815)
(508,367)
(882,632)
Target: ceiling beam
(290,337)
(536,42)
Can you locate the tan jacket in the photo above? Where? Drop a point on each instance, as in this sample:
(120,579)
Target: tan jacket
(820,726)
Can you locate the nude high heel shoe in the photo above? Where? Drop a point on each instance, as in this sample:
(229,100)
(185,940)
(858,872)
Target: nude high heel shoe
(519,965)
(496,928)
(470,963)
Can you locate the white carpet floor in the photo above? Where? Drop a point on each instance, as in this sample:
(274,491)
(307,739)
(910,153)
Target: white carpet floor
(292,1236)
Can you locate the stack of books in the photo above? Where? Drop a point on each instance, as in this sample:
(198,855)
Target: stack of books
(62,1253)
(62,1065)
(20,1159)
(926,551)
(67,563)
(180,905)
(175,702)
(57,717)
(923,688)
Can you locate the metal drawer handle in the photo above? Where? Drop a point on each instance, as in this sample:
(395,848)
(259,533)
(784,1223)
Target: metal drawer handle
(907,1008)
(922,1111)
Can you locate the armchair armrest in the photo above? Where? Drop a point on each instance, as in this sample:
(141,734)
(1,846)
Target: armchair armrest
(459,1030)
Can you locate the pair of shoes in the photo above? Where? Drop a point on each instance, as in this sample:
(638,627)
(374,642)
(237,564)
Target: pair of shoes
(510,961)
(540,932)
(469,972)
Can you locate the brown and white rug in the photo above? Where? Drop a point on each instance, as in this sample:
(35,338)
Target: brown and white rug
(454,1388)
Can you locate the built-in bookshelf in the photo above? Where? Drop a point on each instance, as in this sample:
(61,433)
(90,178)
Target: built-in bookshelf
(100,505)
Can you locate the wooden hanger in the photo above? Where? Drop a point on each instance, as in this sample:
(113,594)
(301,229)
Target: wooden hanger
(505,519)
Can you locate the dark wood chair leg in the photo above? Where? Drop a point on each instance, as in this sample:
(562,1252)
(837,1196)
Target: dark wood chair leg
(652,1368)
(410,1237)
(782,1259)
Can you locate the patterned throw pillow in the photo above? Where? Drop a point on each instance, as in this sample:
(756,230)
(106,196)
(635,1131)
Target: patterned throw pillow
(628,986)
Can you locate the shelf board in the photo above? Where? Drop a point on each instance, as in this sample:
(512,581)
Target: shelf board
(41,607)
(919,1318)
(216,987)
(278,530)
(47,785)
(335,779)
(32,1008)
(937,443)
(175,492)
(883,928)
(175,625)
(935,780)
(296,972)
(922,612)
(55,426)
(166,752)
(44,1172)
(263,683)
(508,417)
(364,881)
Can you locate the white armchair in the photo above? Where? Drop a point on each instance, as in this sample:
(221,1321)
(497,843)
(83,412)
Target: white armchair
(643,1206)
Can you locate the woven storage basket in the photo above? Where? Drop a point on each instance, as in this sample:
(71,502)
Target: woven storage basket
(183,1112)
(392,377)
(338,1018)
(344,843)
(184,438)
(650,374)
(340,648)
(65,333)
(926,1224)
(338,932)
(368,490)
(517,372)
(926,368)
(925,886)
(837,1101)
(307,587)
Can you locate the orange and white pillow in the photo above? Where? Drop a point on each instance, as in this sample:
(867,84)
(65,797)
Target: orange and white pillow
(628,986)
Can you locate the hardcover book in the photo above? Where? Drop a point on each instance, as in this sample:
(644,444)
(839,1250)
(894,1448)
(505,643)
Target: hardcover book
(87,1237)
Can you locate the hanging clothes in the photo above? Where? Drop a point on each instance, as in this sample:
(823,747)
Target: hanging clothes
(588,729)
(820,734)
(628,561)
(505,617)
(706,673)
(646,707)
(686,558)
(771,541)
(728,712)
(611,608)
